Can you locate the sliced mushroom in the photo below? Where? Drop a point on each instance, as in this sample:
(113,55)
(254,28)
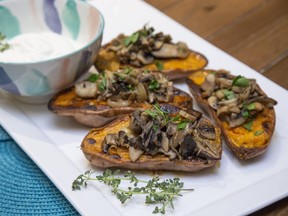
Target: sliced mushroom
(268,102)
(171,154)
(164,142)
(195,113)
(188,116)
(220,94)
(237,89)
(141,92)
(205,150)
(258,106)
(171,129)
(208,85)
(228,109)
(123,139)
(245,94)
(224,83)
(109,140)
(236,120)
(144,58)
(86,89)
(213,102)
(158,44)
(137,122)
(230,102)
(152,144)
(187,147)
(170,91)
(134,153)
(207,131)
(171,51)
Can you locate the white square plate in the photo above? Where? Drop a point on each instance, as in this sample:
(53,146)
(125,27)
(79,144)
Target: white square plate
(233,189)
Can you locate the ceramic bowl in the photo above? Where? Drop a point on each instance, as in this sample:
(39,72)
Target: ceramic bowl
(37,81)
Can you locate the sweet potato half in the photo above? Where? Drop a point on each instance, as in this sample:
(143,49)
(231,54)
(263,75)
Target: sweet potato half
(95,113)
(149,53)
(111,147)
(248,128)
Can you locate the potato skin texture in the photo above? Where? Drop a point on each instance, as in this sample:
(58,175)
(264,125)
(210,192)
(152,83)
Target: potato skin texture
(243,143)
(172,68)
(119,156)
(94,113)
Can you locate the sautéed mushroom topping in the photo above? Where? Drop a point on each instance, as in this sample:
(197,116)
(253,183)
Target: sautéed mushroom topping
(143,46)
(126,86)
(235,99)
(176,134)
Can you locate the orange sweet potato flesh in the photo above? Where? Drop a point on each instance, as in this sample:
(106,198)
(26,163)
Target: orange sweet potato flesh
(172,68)
(95,113)
(242,142)
(119,156)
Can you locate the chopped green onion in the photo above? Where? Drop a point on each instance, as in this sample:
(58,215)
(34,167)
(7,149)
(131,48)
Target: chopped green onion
(246,114)
(240,81)
(181,125)
(131,39)
(228,94)
(127,70)
(248,125)
(93,78)
(251,106)
(257,133)
(159,65)
(154,85)
(102,83)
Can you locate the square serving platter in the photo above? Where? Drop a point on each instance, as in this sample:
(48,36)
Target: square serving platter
(235,188)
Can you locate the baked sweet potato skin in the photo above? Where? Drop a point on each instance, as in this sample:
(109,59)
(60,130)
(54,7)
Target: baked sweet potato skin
(119,157)
(242,142)
(172,68)
(95,113)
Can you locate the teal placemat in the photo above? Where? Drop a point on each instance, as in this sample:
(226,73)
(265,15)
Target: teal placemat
(24,188)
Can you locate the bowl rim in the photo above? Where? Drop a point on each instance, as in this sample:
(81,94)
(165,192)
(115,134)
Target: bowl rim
(99,34)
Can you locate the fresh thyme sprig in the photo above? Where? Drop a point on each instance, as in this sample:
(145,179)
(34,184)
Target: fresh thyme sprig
(3,45)
(156,191)
(181,123)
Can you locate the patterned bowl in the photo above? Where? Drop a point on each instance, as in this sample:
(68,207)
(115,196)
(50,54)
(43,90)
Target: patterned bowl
(37,81)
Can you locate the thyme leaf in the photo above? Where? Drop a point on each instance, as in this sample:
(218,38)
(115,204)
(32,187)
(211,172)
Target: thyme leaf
(157,192)
(181,123)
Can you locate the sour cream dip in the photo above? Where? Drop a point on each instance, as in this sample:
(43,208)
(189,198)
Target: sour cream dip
(33,47)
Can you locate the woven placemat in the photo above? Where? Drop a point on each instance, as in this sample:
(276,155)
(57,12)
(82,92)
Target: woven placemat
(24,188)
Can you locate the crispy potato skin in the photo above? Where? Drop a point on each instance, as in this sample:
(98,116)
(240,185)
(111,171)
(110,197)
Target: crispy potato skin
(119,156)
(94,113)
(242,142)
(172,68)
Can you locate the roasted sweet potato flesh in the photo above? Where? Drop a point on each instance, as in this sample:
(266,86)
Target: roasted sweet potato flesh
(244,143)
(119,156)
(95,113)
(173,68)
